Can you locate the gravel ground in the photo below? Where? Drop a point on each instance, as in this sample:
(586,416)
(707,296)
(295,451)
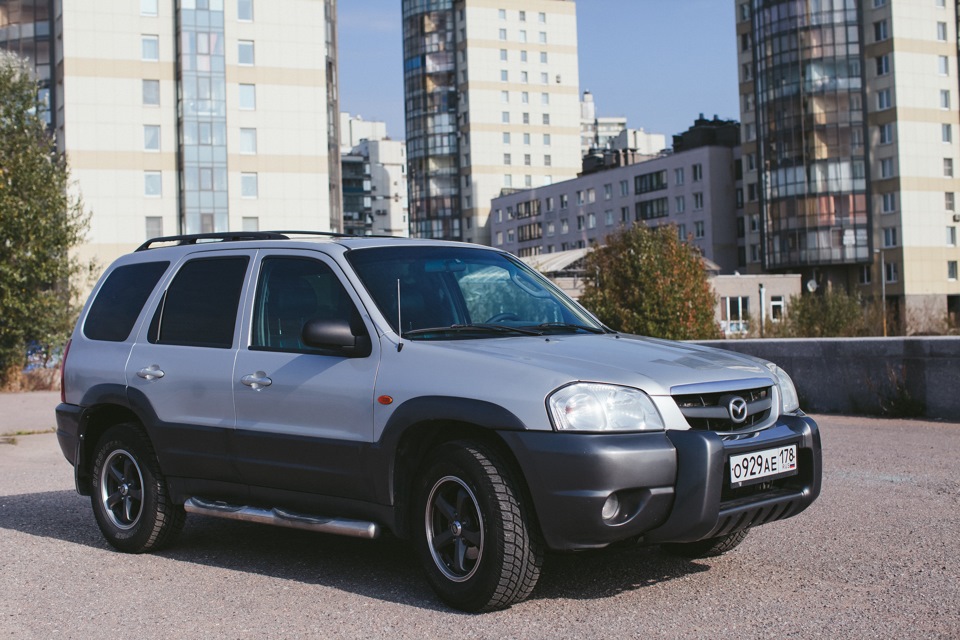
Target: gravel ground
(875,557)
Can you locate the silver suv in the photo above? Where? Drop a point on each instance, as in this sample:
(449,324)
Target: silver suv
(442,391)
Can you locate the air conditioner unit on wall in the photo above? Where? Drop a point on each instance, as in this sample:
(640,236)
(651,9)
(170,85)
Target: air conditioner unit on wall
(956,217)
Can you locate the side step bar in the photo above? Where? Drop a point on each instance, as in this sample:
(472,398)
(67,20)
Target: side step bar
(281,518)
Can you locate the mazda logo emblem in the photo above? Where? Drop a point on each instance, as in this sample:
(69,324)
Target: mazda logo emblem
(738,410)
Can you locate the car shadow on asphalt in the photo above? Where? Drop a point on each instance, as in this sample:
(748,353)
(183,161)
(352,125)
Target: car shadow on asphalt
(385,569)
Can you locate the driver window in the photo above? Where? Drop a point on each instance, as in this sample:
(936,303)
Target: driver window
(291,292)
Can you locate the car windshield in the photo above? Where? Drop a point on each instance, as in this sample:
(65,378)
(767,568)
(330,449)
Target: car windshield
(448,293)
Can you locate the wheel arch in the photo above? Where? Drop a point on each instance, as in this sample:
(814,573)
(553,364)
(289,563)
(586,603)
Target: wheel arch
(105,406)
(420,425)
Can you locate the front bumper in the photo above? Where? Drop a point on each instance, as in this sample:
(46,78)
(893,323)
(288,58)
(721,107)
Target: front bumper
(672,486)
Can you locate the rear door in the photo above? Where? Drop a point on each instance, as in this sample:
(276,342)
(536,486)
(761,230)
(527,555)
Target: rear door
(180,370)
(304,415)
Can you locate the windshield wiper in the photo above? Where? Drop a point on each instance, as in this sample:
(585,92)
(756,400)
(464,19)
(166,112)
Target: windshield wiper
(473,328)
(570,327)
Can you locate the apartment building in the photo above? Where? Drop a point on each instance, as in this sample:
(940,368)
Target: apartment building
(492,105)
(374,179)
(190,116)
(850,137)
(693,189)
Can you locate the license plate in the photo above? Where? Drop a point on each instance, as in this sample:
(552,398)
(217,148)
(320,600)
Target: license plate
(758,466)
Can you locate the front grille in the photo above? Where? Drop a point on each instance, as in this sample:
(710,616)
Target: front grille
(711,411)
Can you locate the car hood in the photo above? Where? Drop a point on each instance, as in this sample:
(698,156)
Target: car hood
(647,363)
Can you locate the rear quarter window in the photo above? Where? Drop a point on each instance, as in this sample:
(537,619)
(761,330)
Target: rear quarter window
(120,300)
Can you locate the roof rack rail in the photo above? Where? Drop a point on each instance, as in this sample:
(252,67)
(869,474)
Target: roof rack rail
(225,236)
(240,236)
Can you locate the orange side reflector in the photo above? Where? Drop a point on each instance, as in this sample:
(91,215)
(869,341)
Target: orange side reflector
(385,400)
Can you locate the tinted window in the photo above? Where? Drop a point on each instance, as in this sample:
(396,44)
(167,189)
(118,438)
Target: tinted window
(293,291)
(200,306)
(120,300)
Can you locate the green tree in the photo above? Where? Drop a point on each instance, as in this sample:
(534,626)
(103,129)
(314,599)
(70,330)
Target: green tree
(646,281)
(39,224)
(832,313)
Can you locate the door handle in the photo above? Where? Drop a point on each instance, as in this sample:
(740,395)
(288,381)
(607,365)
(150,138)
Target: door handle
(256,381)
(153,372)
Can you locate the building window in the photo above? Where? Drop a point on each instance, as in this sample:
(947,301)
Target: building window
(948,167)
(943,65)
(504,96)
(527,161)
(944,98)
(543,57)
(544,78)
(891,272)
(507,180)
(883,65)
(951,270)
(949,201)
(946,132)
(679,204)
(249,187)
(697,201)
(245,55)
(528,181)
(542,36)
(889,202)
(506,137)
(678,176)
(148,7)
(151,137)
(865,276)
(507,159)
(542,18)
(697,172)
(880,31)
(523,55)
(544,98)
(951,236)
(523,16)
(150,48)
(564,201)
(505,117)
(526,138)
(245,10)
(502,14)
(883,99)
(524,97)
(503,54)
(523,35)
(699,230)
(152,184)
(248,97)
(154,227)
(546,118)
(151,93)
(682,232)
(503,34)
(248,141)
(942,31)
(890,237)
(608,191)
(504,76)
(886,168)
(591,221)
(546,139)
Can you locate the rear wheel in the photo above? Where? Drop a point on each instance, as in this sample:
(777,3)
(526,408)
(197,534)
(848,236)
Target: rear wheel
(706,548)
(475,534)
(129,494)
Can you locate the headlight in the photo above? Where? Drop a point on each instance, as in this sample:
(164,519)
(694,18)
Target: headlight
(595,407)
(789,400)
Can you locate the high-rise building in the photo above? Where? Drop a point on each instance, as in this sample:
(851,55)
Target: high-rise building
(190,116)
(374,179)
(850,134)
(492,105)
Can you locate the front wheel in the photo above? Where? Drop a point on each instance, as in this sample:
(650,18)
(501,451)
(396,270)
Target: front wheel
(706,548)
(475,534)
(129,495)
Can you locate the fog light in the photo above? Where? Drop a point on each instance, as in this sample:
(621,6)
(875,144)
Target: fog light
(610,507)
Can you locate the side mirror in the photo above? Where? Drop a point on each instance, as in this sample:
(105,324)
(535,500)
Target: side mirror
(335,335)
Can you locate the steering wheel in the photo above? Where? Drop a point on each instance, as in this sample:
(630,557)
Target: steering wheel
(500,317)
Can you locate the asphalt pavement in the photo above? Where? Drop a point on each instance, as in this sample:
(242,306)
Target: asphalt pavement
(877,556)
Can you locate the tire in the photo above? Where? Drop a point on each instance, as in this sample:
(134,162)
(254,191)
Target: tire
(474,532)
(706,548)
(129,494)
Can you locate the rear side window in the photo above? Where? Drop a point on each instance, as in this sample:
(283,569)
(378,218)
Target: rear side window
(120,300)
(199,309)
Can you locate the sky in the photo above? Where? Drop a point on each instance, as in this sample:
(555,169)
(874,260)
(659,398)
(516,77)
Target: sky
(659,63)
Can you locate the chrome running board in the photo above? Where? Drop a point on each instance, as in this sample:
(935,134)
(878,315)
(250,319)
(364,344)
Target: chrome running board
(281,518)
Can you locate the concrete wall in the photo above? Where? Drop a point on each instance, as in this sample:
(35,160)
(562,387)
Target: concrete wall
(867,375)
